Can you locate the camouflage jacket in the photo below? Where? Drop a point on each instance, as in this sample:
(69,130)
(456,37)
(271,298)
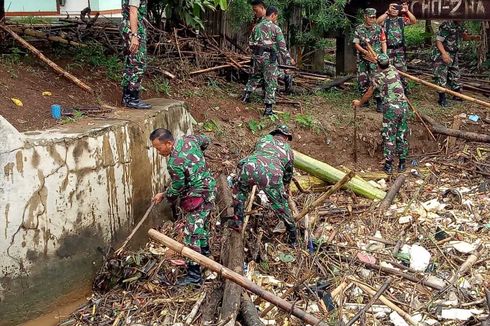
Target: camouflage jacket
(374,35)
(188,170)
(142,11)
(451,36)
(389,85)
(268,35)
(393,27)
(275,154)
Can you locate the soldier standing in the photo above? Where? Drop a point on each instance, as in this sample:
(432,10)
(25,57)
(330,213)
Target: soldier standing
(395,110)
(134,35)
(394,26)
(270,168)
(283,74)
(194,185)
(373,35)
(445,57)
(266,37)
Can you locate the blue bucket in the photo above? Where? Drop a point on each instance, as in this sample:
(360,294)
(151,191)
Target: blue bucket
(56,111)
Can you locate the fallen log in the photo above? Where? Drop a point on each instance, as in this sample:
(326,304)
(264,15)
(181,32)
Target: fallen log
(201,71)
(233,276)
(248,312)
(335,82)
(328,173)
(41,35)
(320,200)
(445,90)
(390,196)
(50,63)
(468,135)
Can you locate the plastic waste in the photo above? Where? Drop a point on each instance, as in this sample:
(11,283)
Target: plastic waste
(419,258)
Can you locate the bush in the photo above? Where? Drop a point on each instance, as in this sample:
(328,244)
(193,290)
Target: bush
(415,35)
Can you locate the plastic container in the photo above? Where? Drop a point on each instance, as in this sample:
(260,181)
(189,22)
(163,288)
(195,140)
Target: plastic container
(56,111)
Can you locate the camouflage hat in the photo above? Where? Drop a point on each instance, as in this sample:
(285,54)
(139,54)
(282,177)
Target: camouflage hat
(370,12)
(282,129)
(383,59)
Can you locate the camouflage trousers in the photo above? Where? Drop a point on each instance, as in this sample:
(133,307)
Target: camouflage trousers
(395,130)
(134,63)
(398,60)
(196,229)
(447,75)
(269,179)
(263,70)
(365,70)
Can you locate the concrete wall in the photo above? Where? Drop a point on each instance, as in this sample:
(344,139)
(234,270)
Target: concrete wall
(66,195)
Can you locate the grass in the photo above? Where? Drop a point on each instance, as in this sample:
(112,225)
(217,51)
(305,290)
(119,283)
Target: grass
(95,56)
(415,35)
(161,85)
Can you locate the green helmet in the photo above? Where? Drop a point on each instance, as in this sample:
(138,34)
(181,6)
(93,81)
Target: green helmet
(282,129)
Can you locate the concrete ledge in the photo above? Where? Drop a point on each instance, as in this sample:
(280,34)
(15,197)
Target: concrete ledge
(66,194)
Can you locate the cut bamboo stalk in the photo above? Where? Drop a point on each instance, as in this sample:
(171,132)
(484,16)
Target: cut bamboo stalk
(320,200)
(50,63)
(233,276)
(330,174)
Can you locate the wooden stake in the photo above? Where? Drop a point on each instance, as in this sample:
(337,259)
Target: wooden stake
(421,119)
(233,276)
(250,203)
(50,63)
(320,200)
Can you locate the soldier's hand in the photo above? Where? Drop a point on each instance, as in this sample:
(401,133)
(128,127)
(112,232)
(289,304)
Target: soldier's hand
(405,7)
(446,58)
(293,62)
(356,103)
(157,199)
(134,45)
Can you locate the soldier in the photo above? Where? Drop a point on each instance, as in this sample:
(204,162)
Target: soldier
(394,26)
(134,35)
(395,107)
(282,73)
(366,34)
(445,57)
(194,185)
(270,168)
(266,37)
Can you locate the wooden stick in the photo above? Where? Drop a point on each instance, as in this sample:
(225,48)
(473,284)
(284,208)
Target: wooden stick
(470,261)
(201,71)
(390,196)
(233,276)
(195,309)
(177,44)
(250,203)
(381,290)
(444,90)
(355,134)
(120,250)
(320,200)
(421,119)
(50,63)
(385,301)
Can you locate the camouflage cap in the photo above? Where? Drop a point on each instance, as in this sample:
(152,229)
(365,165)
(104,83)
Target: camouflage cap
(370,12)
(282,129)
(383,59)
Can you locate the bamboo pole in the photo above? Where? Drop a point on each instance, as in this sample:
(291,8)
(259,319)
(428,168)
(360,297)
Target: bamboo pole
(50,63)
(330,174)
(320,200)
(136,228)
(445,90)
(233,276)
(201,71)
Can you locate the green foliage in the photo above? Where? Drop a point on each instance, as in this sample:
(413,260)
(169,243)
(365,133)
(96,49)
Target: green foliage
(29,20)
(256,125)
(161,85)
(94,55)
(305,120)
(415,35)
(211,125)
(14,57)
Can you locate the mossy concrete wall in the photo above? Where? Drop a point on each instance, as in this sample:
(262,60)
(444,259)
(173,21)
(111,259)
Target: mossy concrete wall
(67,194)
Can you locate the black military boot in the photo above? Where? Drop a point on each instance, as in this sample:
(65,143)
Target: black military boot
(126,97)
(134,101)
(379,106)
(205,251)
(388,167)
(401,166)
(457,98)
(288,83)
(246,97)
(442,100)
(193,276)
(268,110)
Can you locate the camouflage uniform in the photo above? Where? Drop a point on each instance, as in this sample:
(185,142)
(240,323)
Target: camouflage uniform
(447,75)
(395,108)
(266,36)
(194,185)
(374,35)
(270,168)
(395,41)
(134,64)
